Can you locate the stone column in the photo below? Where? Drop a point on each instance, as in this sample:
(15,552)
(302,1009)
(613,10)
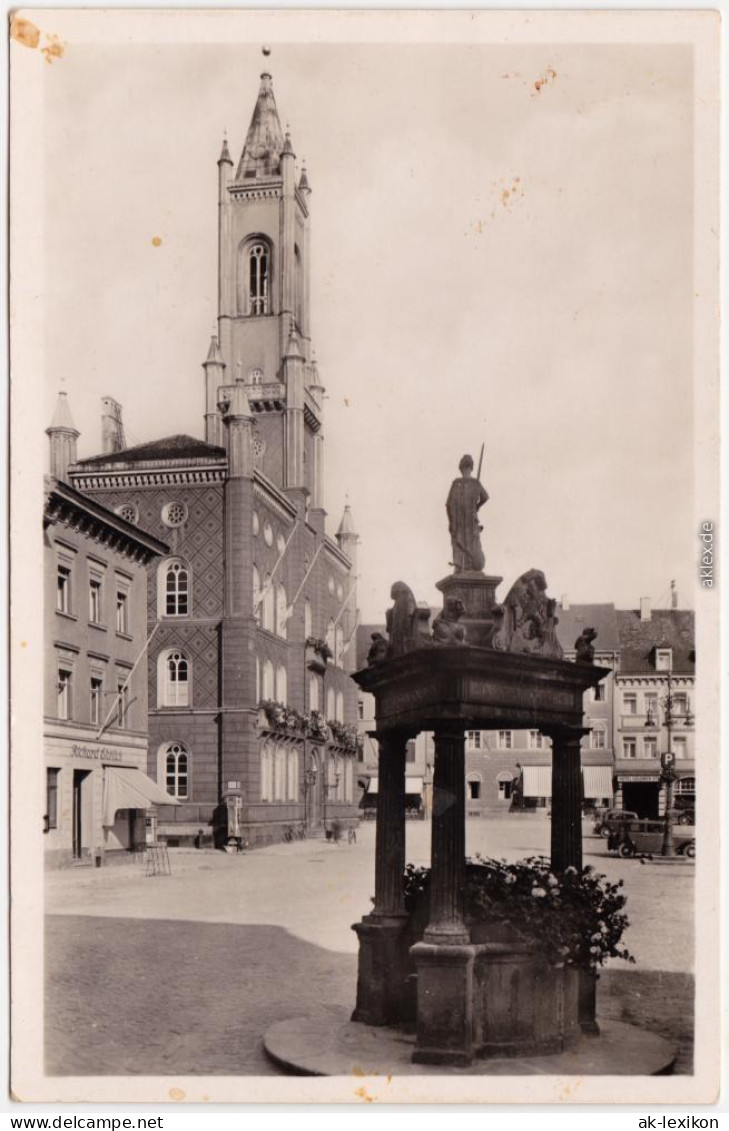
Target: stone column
(566,799)
(383,967)
(448,849)
(390,830)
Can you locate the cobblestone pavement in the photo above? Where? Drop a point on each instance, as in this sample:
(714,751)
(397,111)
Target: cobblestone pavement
(183,974)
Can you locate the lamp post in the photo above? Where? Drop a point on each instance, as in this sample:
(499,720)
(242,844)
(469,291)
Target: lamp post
(309,783)
(668,775)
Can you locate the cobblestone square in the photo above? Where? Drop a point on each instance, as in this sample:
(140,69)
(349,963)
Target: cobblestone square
(183,974)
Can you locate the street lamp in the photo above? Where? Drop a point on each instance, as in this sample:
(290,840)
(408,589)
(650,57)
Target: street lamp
(668,775)
(309,783)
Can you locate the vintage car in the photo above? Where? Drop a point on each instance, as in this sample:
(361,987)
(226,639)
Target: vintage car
(605,819)
(645,838)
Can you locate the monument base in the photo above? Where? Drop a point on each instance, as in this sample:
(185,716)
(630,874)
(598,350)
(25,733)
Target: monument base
(477,591)
(382,991)
(329,1044)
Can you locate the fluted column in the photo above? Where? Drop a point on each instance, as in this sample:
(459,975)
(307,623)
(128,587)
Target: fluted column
(390,830)
(383,995)
(448,846)
(566,799)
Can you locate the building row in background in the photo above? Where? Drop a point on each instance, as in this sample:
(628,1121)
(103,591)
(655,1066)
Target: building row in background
(223,656)
(642,709)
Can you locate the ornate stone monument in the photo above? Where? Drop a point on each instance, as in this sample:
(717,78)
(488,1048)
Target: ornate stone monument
(484,666)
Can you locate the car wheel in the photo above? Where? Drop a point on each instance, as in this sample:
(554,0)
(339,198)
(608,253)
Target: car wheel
(626,849)
(685,819)
(605,831)
(690,850)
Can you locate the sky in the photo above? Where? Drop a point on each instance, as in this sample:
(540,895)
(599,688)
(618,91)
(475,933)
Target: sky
(502,248)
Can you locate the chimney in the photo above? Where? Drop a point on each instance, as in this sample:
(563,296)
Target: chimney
(674,595)
(112,429)
(645,608)
(565,602)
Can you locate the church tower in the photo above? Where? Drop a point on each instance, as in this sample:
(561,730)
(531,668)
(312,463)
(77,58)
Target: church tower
(264,337)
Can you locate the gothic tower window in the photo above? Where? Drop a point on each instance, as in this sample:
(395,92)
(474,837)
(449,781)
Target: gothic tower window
(174,592)
(173,679)
(177,771)
(254,277)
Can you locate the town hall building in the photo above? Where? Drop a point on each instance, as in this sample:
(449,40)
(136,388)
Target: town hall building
(251,614)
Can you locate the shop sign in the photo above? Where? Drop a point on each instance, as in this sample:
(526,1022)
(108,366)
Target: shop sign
(97,753)
(638,777)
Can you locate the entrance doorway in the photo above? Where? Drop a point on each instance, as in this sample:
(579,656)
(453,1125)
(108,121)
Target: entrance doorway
(641,798)
(81,812)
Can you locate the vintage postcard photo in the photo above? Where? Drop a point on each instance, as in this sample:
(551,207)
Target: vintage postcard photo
(365,613)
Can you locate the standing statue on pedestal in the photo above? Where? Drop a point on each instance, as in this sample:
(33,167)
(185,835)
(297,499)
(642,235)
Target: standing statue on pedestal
(465,498)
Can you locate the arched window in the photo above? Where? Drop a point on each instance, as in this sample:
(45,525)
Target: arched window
(173,590)
(313,693)
(269,687)
(267,756)
(254,277)
(339,708)
(281,685)
(298,287)
(331,704)
(293,775)
(330,636)
(279,793)
(308,623)
(177,771)
(173,678)
(331,775)
(349,780)
(256,595)
(281,610)
(339,646)
(268,604)
(340,779)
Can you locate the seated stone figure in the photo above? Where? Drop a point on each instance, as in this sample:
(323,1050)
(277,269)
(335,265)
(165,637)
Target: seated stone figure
(379,649)
(585,652)
(401,619)
(446,629)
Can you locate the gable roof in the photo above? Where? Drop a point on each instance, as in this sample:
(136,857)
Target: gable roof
(573,620)
(179,447)
(667,628)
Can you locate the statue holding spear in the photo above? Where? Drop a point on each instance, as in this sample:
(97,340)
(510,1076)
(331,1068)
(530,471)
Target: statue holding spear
(465,499)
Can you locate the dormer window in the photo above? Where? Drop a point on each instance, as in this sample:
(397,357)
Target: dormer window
(664,659)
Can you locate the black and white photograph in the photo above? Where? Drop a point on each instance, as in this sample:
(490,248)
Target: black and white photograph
(364,434)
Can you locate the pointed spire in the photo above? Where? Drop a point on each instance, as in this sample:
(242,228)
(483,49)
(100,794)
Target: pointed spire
(264,145)
(346,526)
(214,357)
(225,157)
(288,149)
(62,419)
(293,348)
(304,185)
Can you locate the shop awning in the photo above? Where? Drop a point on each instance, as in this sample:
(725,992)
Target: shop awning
(597,781)
(125,788)
(412,786)
(537,781)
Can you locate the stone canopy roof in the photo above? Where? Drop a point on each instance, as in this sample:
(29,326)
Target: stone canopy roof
(179,447)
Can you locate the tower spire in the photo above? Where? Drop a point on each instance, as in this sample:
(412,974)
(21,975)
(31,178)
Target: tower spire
(264,144)
(62,434)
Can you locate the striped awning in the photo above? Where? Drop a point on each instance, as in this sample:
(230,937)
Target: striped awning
(597,781)
(412,786)
(537,781)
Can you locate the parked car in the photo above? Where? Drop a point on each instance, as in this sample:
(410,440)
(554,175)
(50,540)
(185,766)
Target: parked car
(608,817)
(645,837)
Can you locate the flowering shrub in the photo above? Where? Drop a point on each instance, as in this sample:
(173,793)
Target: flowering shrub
(578,919)
(344,734)
(321,648)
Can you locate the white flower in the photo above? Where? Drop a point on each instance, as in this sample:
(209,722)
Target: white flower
(569,870)
(553,881)
(511,879)
(538,893)
(594,950)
